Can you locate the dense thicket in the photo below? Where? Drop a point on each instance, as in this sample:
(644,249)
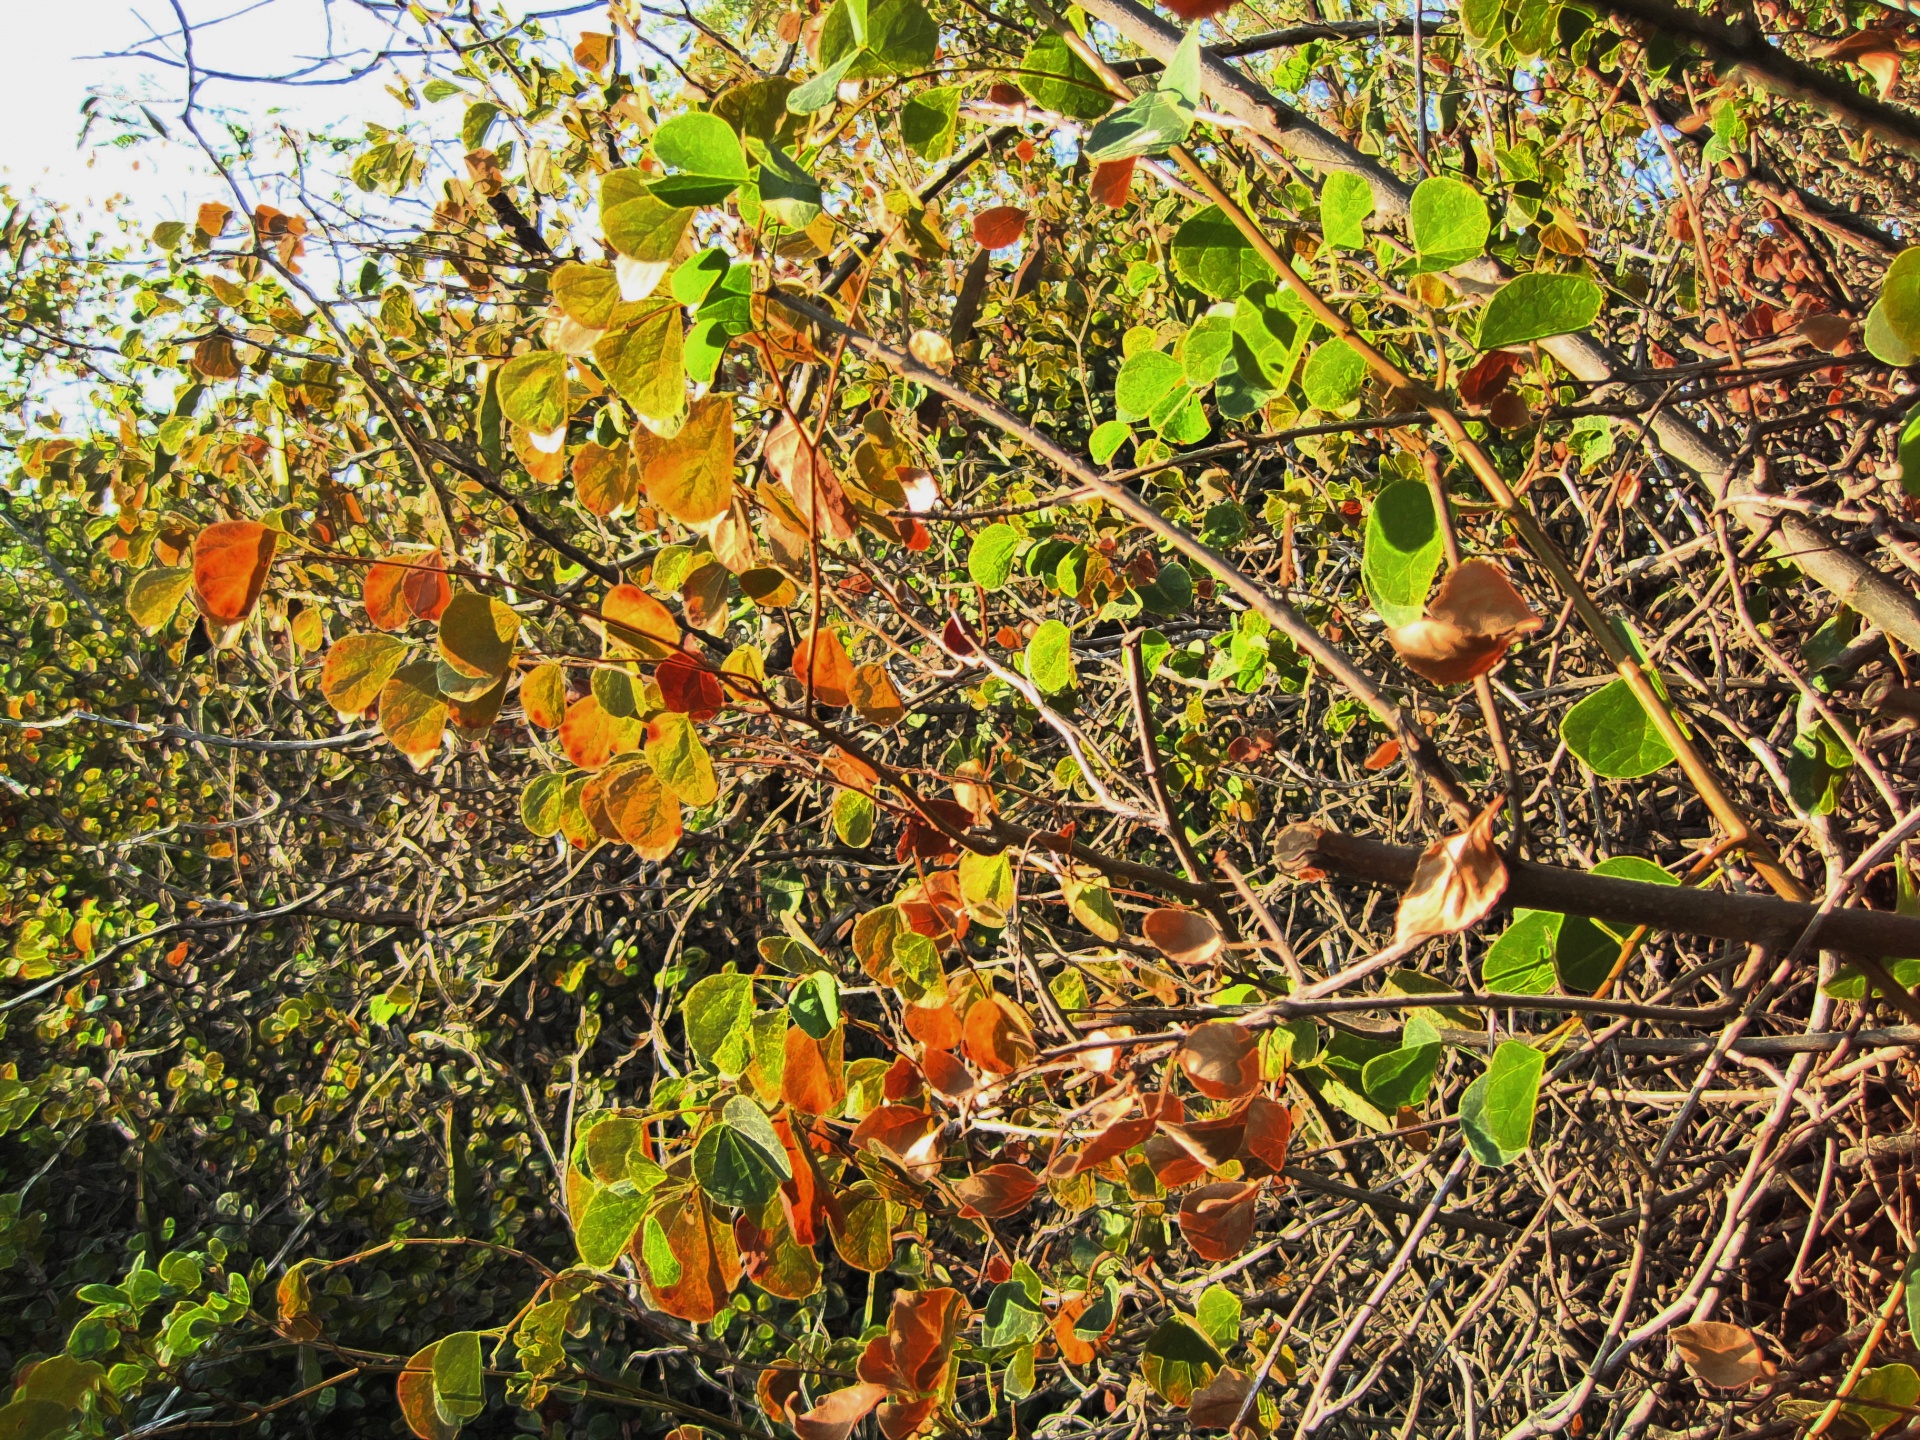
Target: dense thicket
(952,718)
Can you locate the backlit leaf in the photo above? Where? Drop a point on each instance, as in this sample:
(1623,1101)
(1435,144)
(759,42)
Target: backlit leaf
(231,561)
(358,668)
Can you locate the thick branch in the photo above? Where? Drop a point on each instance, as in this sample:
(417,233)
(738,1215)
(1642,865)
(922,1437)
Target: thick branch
(1757,919)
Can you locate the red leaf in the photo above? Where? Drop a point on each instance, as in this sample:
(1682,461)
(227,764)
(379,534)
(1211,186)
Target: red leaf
(1113,182)
(944,1073)
(1191,10)
(1263,1150)
(1489,375)
(999,227)
(688,687)
(1218,1219)
(1385,755)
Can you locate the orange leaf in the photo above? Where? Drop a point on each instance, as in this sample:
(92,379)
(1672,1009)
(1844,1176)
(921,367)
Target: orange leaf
(415,1389)
(944,1073)
(643,811)
(1222,1060)
(999,1037)
(907,1133)
(999,227)
(778,1387)
(1387,752)
(871,690)
(1183,935)
(607,481)
(638,624)
(821,663)
(921,1329)
(836,1414)
(1218,1219)
(1455,883)
(709,1261)
(996,1192)
(543,696)
(937,1028)
(1470,622)
(1073,1349)
(801,1196)
(1112,182)
(900,1419)
(590,736)
(813,1081)
(818,498)
(230,565)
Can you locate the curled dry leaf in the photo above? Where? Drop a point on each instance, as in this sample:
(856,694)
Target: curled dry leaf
(1488,376)
(1183,935)
(1217,1219)
(1470,622)
(1725,1356)
(996,1192)
(1222,1059)
(1826,331)
(1456,882)
(778,1387)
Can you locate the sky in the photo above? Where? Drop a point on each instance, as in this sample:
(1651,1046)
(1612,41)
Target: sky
(62,50)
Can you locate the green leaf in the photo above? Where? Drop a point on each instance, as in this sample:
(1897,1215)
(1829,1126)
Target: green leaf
(1156,121)
(1909,454)
(732,1167)
(694,279)
(1145,380)
(987,887)
(930,120)
(1092,905)
(475,124)
(641,354)
(1050,658)
(1496,1112)
(704,158)
(587,293)
(1171,592)
(1106,440)
(1018,1381)
(990,556)
(1881,341)
(718,1012)
(1177,1360)
(656,1253)
(642,227)
(1211,254)
(1058,79)
(459,1377)
(1333,376)
(1345,203)
(607,1224)
(1532,307)
(1910,1277)
(674,751)
(1520,962)
(1895,1384)
(1449,223)
(853,816)
(155,595)
(533,391)
(1219,1315)
(1585,950)
(1012,1317)
(1612,734)
(1899,303)
(1402,1077)
(791,197)
(814,1003)
(477,636)
(542,802)
(823,89)
(1401,553)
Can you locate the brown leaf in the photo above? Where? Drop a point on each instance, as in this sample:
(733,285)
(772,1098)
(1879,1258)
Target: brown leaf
(1455,884)
(778,1387)
(1183,935)
(873,695)
(1825,331)
(1216,1405)
(1875,50)
(1470,622)
(996,1192)
(1269,1128)
(812,487)
(836,1415)
(912,1357)
(1222,1060)
(1206,1144)
(1217,1219)
(231,561)
(1725,1356)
